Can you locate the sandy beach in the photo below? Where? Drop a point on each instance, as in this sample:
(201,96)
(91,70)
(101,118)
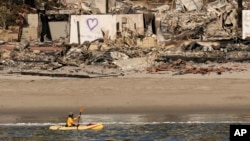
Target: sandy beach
(45,97)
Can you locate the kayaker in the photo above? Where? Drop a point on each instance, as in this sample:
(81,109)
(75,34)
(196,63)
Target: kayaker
(71,121)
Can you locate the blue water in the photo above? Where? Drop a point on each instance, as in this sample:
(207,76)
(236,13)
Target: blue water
(131,128)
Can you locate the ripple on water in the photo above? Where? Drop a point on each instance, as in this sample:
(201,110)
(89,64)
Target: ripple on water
(132,127)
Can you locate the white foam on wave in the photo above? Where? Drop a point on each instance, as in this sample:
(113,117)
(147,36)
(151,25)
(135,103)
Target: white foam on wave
(29,124)
(186,122)
(129,123)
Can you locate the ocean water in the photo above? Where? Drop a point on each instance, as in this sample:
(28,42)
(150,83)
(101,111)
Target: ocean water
(131,128)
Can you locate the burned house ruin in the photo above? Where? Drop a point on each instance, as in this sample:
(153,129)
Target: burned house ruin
(133,35)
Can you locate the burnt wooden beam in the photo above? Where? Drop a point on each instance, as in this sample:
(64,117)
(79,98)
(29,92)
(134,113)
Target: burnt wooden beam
(67,12)
(240,8)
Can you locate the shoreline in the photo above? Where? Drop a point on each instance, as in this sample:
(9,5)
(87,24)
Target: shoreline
(52,98)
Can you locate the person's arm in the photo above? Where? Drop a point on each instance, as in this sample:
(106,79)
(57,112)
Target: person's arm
(76,120)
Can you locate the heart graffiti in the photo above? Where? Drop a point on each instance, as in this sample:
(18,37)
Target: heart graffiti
(92,23)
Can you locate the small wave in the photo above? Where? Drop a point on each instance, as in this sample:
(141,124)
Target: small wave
(30,124)
(186,122)
(129,123)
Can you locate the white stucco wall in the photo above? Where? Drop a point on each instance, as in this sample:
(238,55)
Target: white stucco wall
(91,26)
(245,24)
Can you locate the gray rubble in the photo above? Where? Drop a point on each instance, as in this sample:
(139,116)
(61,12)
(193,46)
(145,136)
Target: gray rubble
(173,40)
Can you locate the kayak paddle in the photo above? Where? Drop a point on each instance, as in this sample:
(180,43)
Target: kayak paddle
(81,110)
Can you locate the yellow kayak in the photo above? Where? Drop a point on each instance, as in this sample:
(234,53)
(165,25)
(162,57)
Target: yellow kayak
(97,126)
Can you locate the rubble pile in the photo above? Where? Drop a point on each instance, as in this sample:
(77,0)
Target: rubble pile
(174,36)
(217,21)
(181,67)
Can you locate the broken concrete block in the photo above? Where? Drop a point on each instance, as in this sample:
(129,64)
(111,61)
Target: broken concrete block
(104,46)
(94,47)
(36,51)
(25,43)
(2,42)
(111,5)
(30,32)
(214,7)
(8,36)
(209,46)
(162,8)
(5,54)
(134,64)
(192,4)
(147,42)
(101,5)
(118,55)
(178,6)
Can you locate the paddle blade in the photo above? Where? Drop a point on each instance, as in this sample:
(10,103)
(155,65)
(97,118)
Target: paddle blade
(81,109)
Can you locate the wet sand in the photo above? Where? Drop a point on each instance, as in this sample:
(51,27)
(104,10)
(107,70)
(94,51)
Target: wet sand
(49,98)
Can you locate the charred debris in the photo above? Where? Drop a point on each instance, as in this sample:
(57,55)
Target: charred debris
(49,38)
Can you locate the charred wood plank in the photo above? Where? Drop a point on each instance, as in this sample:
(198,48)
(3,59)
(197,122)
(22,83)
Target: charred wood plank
(55,74)
(33,61)
(201,57)
(68,12)
(64,75)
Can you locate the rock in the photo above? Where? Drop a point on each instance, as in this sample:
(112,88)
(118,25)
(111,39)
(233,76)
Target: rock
(24,43)
(5,54)
(162,8)
(134,64)
(147,42)
(118,56)
(2,42)
(94,47)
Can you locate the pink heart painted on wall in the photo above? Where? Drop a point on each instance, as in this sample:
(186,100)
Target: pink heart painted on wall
(92,23)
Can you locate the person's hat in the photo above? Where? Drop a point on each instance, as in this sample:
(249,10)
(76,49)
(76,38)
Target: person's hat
(71,114)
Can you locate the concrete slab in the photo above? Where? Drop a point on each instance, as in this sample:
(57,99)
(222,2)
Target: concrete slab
(31,32)
(59,29)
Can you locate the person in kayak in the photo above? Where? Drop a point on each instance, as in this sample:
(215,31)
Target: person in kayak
(71,121)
